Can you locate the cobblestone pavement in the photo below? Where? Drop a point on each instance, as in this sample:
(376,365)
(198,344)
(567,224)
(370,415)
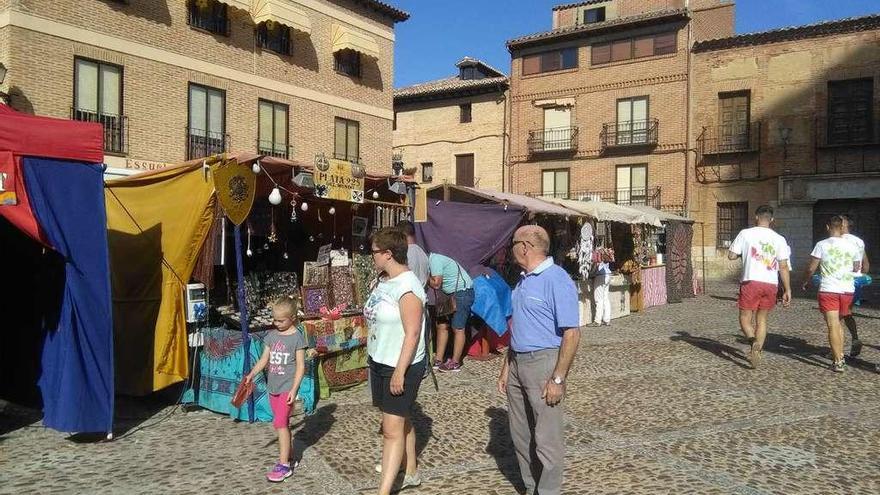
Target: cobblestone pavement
(662,402)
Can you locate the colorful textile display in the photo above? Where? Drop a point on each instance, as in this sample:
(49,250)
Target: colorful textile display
(220,368)
(315,275)
(331,337)
(342,286)
(364,277)
(585,251)
(315,298)
(653,286)
(679,269)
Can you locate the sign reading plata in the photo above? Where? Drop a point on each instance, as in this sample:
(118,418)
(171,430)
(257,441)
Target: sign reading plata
(334,180)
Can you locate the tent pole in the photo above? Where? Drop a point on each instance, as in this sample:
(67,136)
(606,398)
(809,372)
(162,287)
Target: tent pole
(243,310)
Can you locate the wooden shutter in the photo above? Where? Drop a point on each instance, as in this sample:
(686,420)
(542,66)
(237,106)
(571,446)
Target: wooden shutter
(464,170)
(551,61)
(621,50)
(665,43)
(850,111)
(733,121)
(531,64)
(644,47)
(601,54)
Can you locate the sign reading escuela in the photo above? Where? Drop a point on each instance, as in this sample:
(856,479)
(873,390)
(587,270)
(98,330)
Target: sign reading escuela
(144,165)
(334,180)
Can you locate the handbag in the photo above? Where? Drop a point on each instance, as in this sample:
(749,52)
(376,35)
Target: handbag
(446,303)
(242,392)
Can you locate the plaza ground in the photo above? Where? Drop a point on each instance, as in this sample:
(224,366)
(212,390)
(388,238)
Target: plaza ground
(662,402)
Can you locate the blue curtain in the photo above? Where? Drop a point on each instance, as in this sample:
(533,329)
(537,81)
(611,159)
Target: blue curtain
(76,382)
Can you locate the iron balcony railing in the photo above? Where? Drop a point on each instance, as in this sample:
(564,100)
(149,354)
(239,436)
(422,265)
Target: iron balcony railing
(646,196)
(846,133)
(630,133)
(214,19)
(270,148)
(730,138)
(201,143)
(556,139)
(115,128)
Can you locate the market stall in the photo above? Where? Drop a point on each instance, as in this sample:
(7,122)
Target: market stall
(674,258)
(57,297)
(302,231)
(487,220)
(625,238)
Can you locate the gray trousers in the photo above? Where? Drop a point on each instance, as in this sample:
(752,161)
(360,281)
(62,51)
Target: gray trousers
(535,427)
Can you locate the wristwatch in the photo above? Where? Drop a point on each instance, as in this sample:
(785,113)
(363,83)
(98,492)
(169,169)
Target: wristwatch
(558,380)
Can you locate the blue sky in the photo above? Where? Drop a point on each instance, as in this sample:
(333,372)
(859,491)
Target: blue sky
(440,32)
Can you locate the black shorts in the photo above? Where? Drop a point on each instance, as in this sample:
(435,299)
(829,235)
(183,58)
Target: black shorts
(380,384)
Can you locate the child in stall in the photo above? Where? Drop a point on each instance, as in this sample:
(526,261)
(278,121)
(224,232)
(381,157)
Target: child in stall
(284,353)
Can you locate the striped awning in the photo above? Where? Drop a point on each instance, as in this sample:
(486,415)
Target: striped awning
(282,13)
(346,38)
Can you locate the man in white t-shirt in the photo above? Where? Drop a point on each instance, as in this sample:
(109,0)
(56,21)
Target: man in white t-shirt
(837,260)
(765,257)
(864,267)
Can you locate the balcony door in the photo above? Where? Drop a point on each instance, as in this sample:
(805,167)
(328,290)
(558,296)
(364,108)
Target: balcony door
(632,185)
(207,121)
(632,120)
(733,121)
(557,128)
(97,97)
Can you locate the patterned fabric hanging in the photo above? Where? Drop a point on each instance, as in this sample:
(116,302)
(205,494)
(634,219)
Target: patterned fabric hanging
(585,251)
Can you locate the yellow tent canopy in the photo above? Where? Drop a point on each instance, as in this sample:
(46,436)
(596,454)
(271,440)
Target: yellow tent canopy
(157,223)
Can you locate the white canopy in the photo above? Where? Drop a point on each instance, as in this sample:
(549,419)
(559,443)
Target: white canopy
(608,212)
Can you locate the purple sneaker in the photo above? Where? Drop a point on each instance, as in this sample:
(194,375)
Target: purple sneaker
(450,366)
(279,473)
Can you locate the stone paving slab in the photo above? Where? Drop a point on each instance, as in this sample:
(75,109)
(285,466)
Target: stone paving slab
(661,402)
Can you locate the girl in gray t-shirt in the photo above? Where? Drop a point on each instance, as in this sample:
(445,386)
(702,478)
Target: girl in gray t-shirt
(284,354)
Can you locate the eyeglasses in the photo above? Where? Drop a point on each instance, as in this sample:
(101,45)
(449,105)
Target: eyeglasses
(524,242)
(377,251)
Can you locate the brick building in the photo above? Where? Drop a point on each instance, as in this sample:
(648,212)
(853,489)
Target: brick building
(790,118)
(452,129)
(172,80)
(598,103)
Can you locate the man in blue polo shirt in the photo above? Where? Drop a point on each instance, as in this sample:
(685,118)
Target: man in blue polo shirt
(544,339)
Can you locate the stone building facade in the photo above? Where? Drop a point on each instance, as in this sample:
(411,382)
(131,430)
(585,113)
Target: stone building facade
(452,130)
(178,79)
(789,118)
(598,104)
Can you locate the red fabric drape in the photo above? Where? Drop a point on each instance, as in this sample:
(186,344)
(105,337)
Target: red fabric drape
(29,135)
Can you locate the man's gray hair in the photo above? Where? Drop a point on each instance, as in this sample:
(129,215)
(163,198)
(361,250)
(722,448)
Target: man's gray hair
(537,236)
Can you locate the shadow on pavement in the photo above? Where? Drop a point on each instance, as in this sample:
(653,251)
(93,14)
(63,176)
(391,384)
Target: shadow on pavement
(723,351)
(424,426)
(798,349)
(311,429)
(500,447)
(724,298)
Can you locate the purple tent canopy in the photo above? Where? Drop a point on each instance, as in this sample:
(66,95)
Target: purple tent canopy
(466,232)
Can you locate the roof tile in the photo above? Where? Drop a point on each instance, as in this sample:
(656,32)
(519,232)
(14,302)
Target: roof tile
(839,26)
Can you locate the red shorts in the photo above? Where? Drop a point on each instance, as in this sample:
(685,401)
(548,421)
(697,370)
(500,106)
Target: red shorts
(280,410)
(830,301)
(757,295)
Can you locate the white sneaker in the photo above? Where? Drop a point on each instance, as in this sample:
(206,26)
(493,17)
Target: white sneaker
(414,480)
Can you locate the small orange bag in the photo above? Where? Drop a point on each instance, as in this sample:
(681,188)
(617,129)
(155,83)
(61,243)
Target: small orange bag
(242,392)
